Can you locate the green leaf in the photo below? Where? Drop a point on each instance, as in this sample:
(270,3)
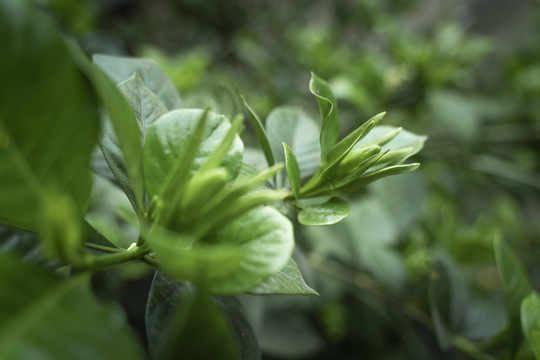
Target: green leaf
(146,105)
(287,281)
(293,171)
(440,297)
(120,139)
(329,113)
(530,322)
(182,258)
(169,138)
(119,69)
(294,127)
(261,134)
(111,213)
(166,295)
(331,212)
(47,317)
(515,285)
(266,243)
(48,117)
(396,140)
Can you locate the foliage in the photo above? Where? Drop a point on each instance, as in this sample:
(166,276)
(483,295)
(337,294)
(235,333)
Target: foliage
(192,213)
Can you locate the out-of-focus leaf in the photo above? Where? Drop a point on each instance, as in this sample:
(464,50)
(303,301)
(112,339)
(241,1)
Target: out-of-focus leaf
(331,212)
(166,295)
(288,280)
(515,285)
(440,298)
(329,113)
(48,117)
(530,322)
(120,69)
(29,308)
(111,213)
(294,127)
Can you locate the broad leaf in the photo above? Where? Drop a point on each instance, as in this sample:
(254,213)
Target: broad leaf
(168,295)
(146,105)
(287,281)
(48,117)
(294,127)
(169,137)
(266,243)
(329,113)
(331,212)
(47,317)
(119,69)
(530,322)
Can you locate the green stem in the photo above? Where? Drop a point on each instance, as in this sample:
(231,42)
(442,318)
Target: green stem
(104,261)
(103,248)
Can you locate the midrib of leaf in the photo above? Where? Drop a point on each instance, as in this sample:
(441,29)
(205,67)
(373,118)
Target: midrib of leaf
(31,315)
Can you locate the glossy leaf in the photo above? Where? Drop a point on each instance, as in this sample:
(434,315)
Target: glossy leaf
(331,212)
(530,322)
(119,69)
(293,171)
(168,139)
(261,134)
(168,295)
(329,113)
(29,308)
(294,127)
(48,117)
(287,281)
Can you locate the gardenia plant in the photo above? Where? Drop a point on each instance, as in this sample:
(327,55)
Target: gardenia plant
(198,213)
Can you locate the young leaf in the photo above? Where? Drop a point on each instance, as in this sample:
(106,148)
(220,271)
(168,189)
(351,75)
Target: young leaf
(331,212)
(287,281)
(168,140)
(261,134)
(119,69)
(293,172)
(329,113)
(530,322)
(166,295)
(48,117)
(29,308)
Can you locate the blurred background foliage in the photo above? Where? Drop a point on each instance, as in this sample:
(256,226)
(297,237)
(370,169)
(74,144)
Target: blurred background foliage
(411,273)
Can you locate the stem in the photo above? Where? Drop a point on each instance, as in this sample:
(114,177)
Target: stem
(104,261)
(103,248)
